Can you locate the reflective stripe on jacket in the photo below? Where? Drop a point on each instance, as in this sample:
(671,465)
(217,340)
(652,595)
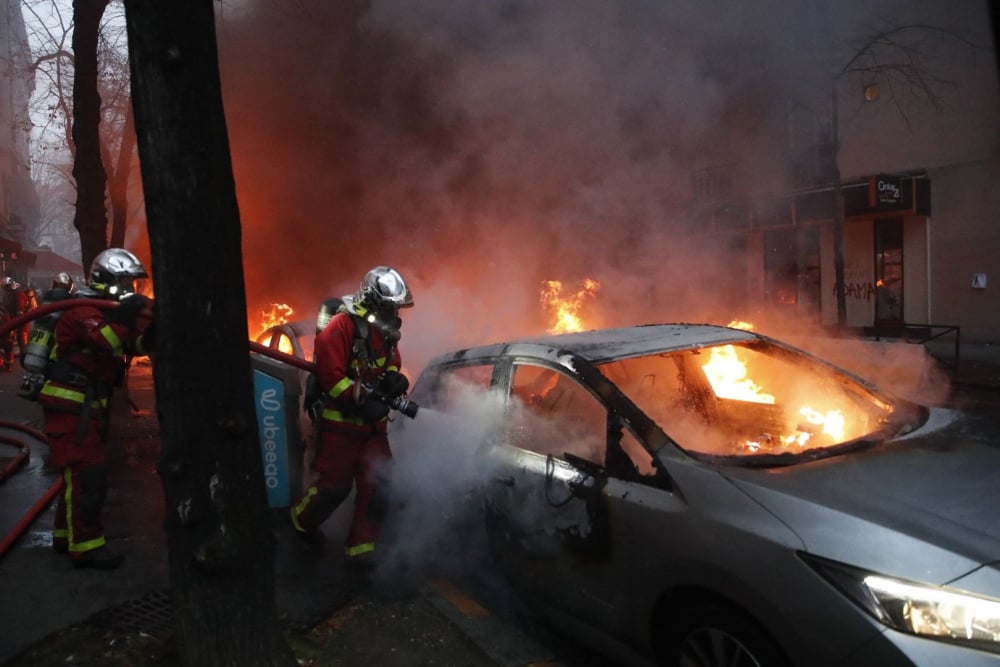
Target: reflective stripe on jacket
(340,367)
(89,352)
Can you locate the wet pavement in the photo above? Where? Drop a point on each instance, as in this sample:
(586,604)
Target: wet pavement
(468,614)
(41,593)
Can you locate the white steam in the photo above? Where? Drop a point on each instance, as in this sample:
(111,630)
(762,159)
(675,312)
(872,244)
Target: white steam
(435,524)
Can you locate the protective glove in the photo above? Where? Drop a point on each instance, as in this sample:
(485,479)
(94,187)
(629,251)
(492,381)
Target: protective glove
(393,384)
(373,410)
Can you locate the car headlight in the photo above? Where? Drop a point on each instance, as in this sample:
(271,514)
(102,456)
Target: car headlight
(935,612)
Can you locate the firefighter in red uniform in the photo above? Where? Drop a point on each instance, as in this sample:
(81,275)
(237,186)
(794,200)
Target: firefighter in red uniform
(17,301)
(89,361)
(357,368)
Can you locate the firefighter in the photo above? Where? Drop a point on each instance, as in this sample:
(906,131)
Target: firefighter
(357,370)
(62,288)
(89,361)
(17,301)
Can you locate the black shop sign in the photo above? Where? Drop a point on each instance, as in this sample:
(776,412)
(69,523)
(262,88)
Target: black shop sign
(885,191)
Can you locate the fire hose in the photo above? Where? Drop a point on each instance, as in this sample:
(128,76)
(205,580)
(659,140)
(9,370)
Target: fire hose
(29,517)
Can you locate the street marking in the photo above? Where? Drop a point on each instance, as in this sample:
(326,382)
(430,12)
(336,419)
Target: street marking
(459,600)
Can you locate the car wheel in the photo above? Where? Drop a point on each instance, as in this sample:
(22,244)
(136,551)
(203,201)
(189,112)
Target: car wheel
(712,634)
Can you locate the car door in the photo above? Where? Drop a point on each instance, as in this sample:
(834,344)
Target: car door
(557,517)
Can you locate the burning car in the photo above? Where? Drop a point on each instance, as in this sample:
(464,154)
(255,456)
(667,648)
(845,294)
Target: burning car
(706,495)
(294,338)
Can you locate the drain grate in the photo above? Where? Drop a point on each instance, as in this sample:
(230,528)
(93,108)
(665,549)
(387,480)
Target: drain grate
(152,614)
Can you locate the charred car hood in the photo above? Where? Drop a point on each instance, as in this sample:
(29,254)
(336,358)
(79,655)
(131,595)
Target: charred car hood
(922,506)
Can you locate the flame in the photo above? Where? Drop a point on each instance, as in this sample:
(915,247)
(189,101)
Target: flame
(727,372)
(832,421)
(277,313)
(144,286)
(740,324)
(566,309)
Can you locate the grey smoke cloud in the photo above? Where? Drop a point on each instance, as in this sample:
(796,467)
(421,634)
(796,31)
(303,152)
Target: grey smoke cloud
(480,148)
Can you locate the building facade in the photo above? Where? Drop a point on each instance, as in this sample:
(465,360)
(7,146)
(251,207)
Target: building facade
(18,200)
(903,165)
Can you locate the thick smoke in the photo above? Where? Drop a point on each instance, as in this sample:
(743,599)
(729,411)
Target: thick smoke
(438,474)
(482,148)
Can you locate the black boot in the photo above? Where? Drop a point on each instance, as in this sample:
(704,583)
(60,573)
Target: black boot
(101,558)
(314,538)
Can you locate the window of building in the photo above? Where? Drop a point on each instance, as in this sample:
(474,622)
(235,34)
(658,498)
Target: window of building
(792,268)
(889,271)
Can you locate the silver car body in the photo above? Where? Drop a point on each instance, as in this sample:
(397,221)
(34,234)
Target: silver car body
(611,551)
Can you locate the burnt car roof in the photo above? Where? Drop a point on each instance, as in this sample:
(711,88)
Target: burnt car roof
(601,345)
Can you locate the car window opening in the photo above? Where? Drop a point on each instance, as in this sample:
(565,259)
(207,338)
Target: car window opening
(741,400)
(553,414)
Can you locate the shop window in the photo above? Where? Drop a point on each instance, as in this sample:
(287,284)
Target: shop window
(889,271)
(792,268)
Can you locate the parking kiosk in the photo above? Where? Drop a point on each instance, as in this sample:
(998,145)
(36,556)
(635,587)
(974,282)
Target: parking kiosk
(277,396)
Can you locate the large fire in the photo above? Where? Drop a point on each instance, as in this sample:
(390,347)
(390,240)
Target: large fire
(727,372)
(566,309)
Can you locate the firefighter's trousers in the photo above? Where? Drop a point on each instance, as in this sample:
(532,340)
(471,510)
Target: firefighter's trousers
(79,452)
(344,460)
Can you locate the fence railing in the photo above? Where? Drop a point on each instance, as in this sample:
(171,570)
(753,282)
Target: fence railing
(920,334)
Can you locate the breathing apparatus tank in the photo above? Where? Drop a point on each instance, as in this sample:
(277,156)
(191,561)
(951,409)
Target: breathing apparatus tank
(38,351)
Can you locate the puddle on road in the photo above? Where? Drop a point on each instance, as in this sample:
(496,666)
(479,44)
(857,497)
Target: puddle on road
(40,539)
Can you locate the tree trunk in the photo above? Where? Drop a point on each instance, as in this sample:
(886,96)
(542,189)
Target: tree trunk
(90,218)
(118,187)
(838,213)
(221,547)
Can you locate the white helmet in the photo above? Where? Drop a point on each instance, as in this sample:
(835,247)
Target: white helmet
(114,271)
(383,292)
(63,280)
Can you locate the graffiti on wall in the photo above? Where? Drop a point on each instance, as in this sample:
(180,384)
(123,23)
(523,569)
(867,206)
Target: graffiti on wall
(859,284)
(859,290)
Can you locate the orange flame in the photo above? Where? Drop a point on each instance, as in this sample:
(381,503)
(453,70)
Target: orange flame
(566,309)
(277,313)
(740,324)
(727,372)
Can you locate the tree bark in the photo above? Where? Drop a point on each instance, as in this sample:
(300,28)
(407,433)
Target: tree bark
(221,547)
(838,212)
(90,218)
